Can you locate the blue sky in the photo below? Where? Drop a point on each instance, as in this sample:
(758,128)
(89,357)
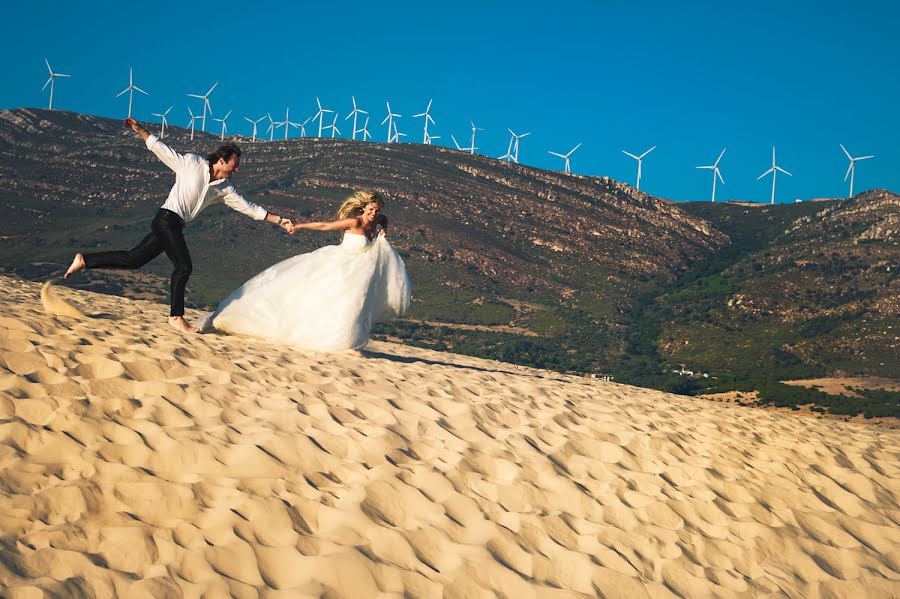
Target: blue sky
(689,78)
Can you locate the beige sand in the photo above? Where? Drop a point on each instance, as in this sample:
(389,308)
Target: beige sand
(138,463)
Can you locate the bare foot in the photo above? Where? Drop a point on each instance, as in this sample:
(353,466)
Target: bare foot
(180,324)
(77,264)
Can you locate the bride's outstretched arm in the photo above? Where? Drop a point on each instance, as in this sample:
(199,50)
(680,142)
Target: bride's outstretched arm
(335,225)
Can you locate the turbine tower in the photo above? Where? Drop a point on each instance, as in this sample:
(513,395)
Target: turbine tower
(320,115)
(472,147)
(50,82)
(566,156)
(255,123)
(640,161)
(774,170)
(851,170)
(333,126)
(389,119)
(286,123)
(715,169)
(356,111)
(426,139)
(131,89)
(206,104)
(271,129)
(193,119)
(508,156)
(515,156)
(162,133)
(224,126)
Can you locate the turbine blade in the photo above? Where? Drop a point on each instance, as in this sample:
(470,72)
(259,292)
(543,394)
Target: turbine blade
(765,173)
(722,153)
(846,152)
(212,88)
(48,83)
(140,90)
(849,168)
(648,151)
(783,171)
(865,157)
(630,154)
(123,91)
(720,176)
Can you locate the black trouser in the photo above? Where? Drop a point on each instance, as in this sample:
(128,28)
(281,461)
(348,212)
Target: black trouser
(166,236)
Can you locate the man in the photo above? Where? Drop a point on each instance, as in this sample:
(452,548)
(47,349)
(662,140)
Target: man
(199,182)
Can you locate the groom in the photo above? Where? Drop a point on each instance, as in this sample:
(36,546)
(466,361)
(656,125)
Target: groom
(199,182)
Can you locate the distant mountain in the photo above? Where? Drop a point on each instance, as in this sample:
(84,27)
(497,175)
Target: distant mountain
(507,261)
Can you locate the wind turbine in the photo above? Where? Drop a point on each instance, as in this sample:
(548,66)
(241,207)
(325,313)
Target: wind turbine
(640,160)
(50,81)
(851,170)
(715,169)
(286,123)
(566,156)
(162,133)
(456,143)
(255,123)
(389,119)
(303,126)
(426,139)
(271,129)
(774,170)
(224,126)
(193,118)
(356,111)
(320,115)
(515,156)
(472,148)
(333,126)
(365,130)
(131,89)
(206,104)
(508,156)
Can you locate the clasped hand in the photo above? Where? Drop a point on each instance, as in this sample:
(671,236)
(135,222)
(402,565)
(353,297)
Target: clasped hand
(287,225)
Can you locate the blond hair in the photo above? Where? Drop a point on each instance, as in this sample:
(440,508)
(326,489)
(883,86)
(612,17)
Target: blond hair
(355,204)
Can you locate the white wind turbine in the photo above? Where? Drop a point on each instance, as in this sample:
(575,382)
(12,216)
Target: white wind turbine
(224,126)
(456,143)
(397,134)
(162,133)
(320,115)
(255,123)
(193,119)
(356,111)
(303,126)
(333,126)
(271,129)
(774,170)
(389,119)
(715,169)
(131,89)
(286,123)
(515,156)
(365,130)
(851,170)
(566,156)
(640,161)
(206,104)
(472,147)
(508,156)
(50,82)
(426,139)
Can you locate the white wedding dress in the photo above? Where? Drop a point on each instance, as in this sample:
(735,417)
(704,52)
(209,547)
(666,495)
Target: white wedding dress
(325,300)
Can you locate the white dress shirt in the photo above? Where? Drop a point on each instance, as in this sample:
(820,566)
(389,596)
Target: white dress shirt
(193,191)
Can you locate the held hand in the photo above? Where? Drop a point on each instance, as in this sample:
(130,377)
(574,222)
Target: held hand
(135,126)
(287,225)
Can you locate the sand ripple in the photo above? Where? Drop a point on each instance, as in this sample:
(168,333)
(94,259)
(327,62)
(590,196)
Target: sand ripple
(137,463)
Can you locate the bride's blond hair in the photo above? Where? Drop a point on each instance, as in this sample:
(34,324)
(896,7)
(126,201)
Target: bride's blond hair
(355,204)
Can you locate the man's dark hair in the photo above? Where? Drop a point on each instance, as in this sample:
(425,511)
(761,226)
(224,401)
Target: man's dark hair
(224,152)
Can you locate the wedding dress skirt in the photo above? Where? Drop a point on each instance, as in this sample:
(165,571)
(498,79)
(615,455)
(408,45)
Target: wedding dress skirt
(325,300)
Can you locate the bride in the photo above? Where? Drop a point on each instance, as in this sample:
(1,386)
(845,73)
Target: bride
(328,299)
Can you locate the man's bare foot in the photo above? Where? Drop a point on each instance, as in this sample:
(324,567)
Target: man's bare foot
(180,324)
(77,264)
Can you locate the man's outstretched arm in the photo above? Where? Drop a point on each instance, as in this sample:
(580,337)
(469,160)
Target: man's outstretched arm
(167,155)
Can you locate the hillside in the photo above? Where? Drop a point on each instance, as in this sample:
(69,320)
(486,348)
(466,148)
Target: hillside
(509,262)
(487,243)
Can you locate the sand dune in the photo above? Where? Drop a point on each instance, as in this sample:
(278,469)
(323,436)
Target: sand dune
(138,463)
